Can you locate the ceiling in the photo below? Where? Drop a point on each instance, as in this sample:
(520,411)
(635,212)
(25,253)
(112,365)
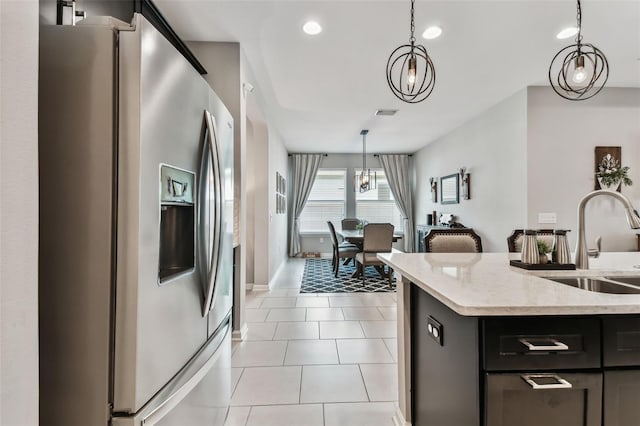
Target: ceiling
(321,91)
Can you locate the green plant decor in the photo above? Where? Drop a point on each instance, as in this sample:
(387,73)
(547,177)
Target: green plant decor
(543,248)
(610,173)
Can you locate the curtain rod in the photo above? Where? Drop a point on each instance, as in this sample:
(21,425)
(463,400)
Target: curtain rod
(326,155)
(408,155)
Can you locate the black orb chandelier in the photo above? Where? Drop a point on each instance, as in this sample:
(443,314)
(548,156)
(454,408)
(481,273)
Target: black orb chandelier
(576,69)
(410,71)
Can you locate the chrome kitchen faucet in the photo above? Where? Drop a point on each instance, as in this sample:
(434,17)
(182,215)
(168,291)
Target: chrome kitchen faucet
(582,260)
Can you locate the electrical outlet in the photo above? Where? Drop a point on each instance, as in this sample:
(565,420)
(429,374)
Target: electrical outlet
(547,218)
(321,240)
(435,330)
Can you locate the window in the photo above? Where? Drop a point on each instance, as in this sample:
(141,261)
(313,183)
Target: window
(378,205)
(326,201)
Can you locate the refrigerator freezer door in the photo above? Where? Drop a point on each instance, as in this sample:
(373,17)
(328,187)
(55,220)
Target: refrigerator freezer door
(223,297)
(158,328)
(198,395)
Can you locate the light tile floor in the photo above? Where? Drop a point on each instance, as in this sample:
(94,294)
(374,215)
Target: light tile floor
(315,359)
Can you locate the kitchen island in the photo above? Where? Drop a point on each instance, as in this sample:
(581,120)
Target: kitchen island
(483,343)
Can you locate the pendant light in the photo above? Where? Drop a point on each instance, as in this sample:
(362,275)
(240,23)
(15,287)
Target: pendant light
(576,69)
(366,180)
(410,71)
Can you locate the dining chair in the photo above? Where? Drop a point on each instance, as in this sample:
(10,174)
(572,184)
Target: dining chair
(514,241)
(344,250)
(350,223)
(458,240)
(377,238)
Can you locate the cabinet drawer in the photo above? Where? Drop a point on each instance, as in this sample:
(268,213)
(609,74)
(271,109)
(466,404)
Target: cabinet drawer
(621,341)
(551,400)
(547,343)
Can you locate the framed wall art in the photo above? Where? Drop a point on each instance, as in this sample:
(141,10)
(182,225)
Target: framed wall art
(449,189)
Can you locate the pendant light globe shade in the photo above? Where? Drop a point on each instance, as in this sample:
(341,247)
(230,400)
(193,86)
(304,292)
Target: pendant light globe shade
(366,179)
(410,72)
(578,71)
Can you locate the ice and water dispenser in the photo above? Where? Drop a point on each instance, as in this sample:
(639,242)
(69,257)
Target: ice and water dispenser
(177,223)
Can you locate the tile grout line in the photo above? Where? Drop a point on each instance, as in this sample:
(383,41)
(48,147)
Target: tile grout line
(364,383)
(300,387)
(237,383)
(246,421)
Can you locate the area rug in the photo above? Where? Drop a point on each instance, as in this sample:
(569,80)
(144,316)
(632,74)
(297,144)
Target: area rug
(318,278)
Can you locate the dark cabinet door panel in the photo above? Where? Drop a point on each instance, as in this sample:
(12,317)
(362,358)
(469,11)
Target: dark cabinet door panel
(622,398)
(621,341)
(547,399)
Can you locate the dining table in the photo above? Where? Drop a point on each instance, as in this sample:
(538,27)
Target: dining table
(356,236)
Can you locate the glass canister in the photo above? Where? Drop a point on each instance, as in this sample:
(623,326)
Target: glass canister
(561,253)
(529,253)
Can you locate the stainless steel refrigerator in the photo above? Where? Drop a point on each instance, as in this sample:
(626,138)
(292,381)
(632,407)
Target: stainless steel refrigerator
(136,210)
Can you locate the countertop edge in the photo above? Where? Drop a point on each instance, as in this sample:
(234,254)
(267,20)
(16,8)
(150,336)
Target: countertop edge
(612,307)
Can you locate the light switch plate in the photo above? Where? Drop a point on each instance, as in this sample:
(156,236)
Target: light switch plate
(547,218)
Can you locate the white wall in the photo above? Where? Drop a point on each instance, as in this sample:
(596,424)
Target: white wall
(561,137)
(492,147)
(277,240)
(19,213)
(259,149)
(251,194)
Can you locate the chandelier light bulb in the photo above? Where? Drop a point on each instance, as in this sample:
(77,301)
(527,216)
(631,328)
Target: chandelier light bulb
(411,75)
(579,73)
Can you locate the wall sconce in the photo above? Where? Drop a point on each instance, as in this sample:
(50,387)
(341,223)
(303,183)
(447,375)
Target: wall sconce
(434,189)
(465,181)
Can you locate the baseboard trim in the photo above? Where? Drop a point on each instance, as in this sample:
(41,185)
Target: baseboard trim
(398,418)
(259,287)
(240,335)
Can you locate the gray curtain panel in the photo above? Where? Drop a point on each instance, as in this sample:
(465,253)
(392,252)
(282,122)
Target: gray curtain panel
(303,173)
(396,168)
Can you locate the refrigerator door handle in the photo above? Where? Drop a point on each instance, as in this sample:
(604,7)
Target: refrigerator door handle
(210,236)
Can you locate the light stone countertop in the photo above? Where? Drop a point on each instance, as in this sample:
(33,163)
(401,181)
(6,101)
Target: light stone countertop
(484,284)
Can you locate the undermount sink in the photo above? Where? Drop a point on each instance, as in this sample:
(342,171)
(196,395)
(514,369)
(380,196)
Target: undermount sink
(603,284)
(635,281)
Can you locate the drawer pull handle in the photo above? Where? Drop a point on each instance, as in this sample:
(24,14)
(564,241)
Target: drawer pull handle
(554,346)
(560,382)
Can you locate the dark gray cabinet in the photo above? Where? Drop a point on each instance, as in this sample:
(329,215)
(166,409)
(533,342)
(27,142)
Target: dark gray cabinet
(522,371)
(554,399)
(621,397)
(621,350)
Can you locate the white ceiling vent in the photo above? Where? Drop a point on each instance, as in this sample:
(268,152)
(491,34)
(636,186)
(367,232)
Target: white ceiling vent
(386,111)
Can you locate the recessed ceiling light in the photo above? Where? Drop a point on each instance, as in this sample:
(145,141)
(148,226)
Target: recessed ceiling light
(432,32)
(312,28)
(567,32)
